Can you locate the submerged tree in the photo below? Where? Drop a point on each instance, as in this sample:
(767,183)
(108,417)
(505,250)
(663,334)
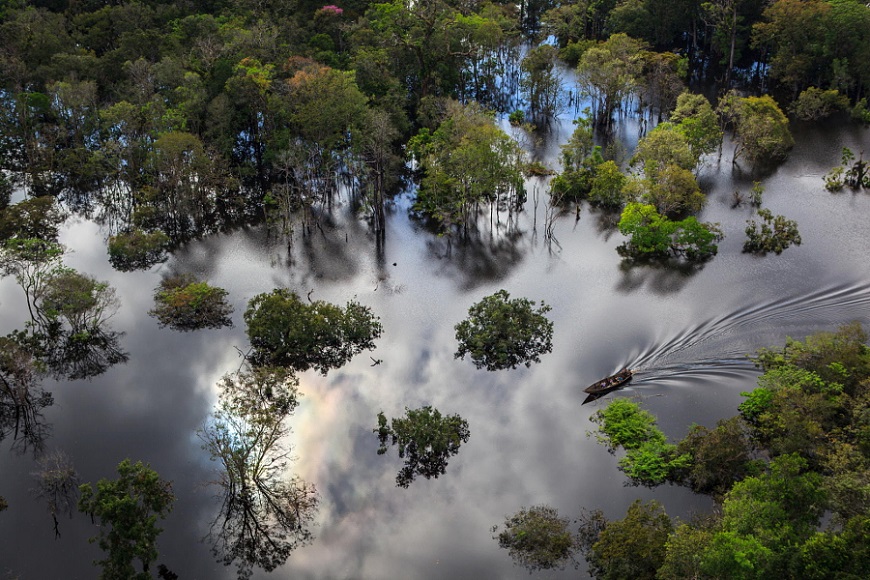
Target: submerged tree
(286,332)
(541,82)
(760,128)
(263,516)
(538,538)
(654,236)
(21,396)
(182,302)
(771,234)
(501,333)
(467,163)
(127,510)
(57,483)
(425,439)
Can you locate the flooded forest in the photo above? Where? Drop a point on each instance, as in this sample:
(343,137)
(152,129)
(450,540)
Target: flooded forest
(434,289)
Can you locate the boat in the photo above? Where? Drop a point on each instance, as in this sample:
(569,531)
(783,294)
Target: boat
(610,383)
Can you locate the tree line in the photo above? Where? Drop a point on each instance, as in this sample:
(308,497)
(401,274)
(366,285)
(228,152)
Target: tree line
(166,121)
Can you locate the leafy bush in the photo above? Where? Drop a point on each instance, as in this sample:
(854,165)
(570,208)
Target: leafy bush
(537,538)
(772,234)
(184,303)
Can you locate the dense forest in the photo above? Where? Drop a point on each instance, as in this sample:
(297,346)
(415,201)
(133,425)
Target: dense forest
(165,122)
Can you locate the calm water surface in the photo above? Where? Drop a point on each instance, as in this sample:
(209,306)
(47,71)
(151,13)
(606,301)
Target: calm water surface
(688,332)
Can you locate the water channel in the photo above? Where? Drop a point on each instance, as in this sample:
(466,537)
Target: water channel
(688,332)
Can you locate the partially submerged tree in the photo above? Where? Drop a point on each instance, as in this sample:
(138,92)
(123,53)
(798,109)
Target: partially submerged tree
(541,82)
(182,302)
(501,333)
(467,163)
(538,538)
(425,440)
(654,236)
(771,234)
(853,172)
(649,459)
(633,547)
(57,484)
(609,72)
(760,128)
(284,331)
(127,509)
(22,398)
(264,515)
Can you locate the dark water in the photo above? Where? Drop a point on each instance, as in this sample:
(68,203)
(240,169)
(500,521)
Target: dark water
(688,332)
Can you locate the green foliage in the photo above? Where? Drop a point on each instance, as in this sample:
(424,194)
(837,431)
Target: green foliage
(771,234)
(653,463)
(760,128)
(664,146)
(683,555)
(624,424)
(77,300)
(127,510)
(501,333)
(697,121)
(33,218)
(609,72)
(184,303)
(756,193)
(633,547)
(719,457)
(814,104)
(541,82)
(607,186)
(517,117)
(537,538)
(137,249)
(580,158)
(286,332)
(425,439)
(649,460)
(466,162)
(652,235)
(842,554)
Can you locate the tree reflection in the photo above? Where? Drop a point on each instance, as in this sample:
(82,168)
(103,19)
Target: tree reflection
(425,440)
(69,311)
(263,516)
(22,399)
(57,483)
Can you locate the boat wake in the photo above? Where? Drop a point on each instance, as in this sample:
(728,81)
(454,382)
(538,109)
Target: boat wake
(796,315)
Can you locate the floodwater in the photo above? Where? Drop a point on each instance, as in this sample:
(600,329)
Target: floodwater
(687,331)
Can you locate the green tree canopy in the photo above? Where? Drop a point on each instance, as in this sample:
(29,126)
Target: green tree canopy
(501,333)
(633,547)
(182,302)
(127,509)
(284,331)
(538,538)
